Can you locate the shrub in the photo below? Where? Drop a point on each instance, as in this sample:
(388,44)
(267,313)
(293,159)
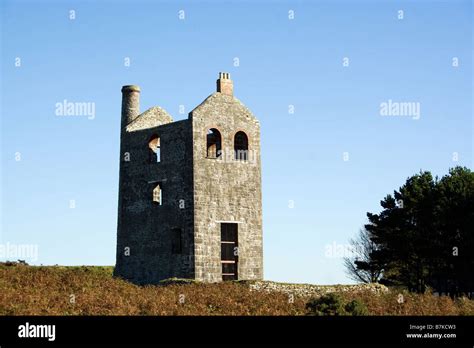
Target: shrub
(329,304)
(356,307)
(334,304)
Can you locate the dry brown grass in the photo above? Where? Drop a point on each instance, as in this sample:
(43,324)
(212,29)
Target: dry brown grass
(28,290)
(413,304)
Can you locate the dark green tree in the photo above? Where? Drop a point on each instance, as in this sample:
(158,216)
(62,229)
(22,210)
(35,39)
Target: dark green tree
(424,236)
(455,242)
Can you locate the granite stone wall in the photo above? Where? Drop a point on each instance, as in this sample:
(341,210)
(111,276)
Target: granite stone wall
(311,290)
(226,189)
(198,193)
(146,227)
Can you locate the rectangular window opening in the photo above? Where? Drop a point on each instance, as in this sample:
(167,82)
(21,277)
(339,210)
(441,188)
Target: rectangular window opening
(176,240)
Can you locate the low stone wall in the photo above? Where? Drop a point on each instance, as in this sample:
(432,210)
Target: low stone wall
(309,290)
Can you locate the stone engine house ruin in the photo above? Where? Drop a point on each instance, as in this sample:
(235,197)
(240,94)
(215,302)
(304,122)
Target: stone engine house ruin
(189,191)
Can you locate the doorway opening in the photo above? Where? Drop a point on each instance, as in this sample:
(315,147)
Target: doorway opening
(229,251)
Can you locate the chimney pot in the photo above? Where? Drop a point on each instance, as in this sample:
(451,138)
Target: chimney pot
(225,84)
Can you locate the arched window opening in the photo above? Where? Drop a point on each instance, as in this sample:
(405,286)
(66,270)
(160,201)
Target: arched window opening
(157,195)
(241,146)
(214,143)
(154,149)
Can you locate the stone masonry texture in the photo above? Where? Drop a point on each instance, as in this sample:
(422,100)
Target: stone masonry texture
(198,192)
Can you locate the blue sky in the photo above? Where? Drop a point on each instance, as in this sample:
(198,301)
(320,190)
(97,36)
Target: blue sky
(312,197)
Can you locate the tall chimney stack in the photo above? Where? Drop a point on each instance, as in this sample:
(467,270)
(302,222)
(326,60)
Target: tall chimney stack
(224,84)
(130,103)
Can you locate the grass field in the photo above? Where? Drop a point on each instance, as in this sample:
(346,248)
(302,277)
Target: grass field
(91,290)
